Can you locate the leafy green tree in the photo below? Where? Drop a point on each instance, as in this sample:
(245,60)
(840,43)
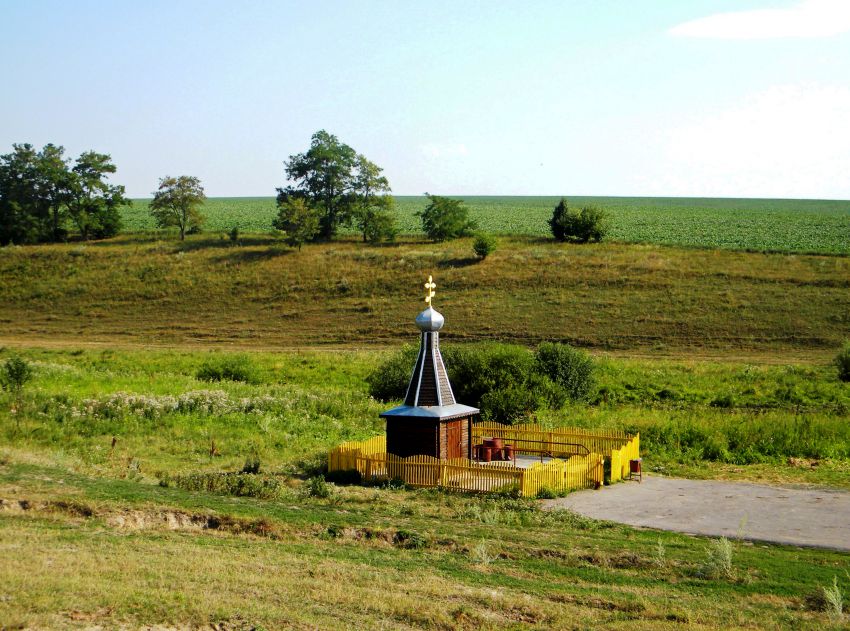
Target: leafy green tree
(373,206)
(94,204)
(53,184)
(324,176)
(298,220)
(33,194)
(40,193)
(587,224)
(19,220)
(342,185)
(177,203)
(445,218)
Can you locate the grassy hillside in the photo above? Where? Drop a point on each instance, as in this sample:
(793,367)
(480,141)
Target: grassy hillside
(629,299)
(775,225)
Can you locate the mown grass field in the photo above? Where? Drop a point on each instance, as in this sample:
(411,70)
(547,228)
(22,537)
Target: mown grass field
(618,298)
(773,225)
(90,536)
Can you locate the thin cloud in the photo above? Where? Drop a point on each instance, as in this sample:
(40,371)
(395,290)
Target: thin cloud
(812,18)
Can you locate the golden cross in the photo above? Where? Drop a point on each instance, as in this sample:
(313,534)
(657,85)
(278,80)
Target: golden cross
(429,290)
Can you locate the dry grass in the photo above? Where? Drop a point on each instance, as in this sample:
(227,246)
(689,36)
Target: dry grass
(69,562)
(622,298)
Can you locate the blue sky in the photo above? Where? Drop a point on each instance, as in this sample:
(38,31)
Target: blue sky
(593,97)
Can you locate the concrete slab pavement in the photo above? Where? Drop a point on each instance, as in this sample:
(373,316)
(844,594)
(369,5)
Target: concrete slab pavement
(795,516)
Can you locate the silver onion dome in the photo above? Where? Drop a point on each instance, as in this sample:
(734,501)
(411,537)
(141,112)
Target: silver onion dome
(430,320)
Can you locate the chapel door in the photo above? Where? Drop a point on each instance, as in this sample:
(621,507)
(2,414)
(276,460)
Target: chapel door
(454,439)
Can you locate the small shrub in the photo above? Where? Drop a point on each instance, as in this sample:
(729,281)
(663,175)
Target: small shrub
(395,484)
(333,531)
(568,367)
(481,554)
(507,491)
(842,362)
(660,556)
(827,599)
(15,374)
(510,405)
(484,245)
(233,235)
(229,368)
(834,600)
(318,487)
(476,369)
(718,563)
(587,224)
(238,484)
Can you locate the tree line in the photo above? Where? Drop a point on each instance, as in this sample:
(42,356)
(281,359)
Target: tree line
(42,192)
(331,186)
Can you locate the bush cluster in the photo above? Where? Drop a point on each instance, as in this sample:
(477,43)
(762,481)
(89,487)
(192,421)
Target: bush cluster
(238,484)
(445,218)
(228,368)
(507,382)
(389,381)
(589,223)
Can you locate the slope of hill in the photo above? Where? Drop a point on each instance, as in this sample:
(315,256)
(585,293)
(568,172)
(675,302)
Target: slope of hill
(627,298)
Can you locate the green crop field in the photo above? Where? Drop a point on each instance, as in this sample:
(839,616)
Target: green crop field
(775,225)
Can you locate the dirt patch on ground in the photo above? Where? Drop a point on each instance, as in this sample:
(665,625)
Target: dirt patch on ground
(145,519)
(66,507)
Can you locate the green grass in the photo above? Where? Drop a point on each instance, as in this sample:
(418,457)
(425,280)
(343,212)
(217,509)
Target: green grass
(98,540)
(773,225)
(166,419)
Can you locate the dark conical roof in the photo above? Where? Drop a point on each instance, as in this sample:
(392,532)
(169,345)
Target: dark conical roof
(429,393)
(429,384)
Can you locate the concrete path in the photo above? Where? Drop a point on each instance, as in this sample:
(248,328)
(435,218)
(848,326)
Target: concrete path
(796,516)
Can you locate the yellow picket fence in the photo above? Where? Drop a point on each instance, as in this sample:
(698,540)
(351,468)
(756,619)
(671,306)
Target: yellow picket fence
(532,438)
(344,457)
(578,472)
(621,458)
